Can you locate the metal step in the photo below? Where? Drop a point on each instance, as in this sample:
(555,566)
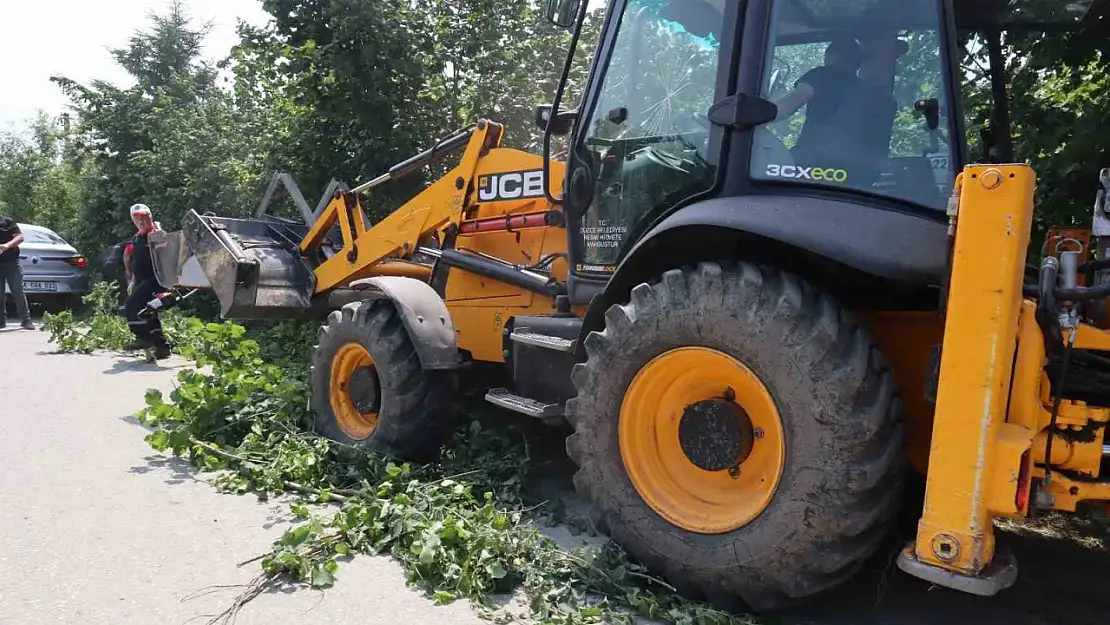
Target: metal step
(542,340)
(506,399)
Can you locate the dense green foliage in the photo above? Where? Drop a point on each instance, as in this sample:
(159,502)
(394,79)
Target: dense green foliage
(326,91)
(104,329)
(344,90)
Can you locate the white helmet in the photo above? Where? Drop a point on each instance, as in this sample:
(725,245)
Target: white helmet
(140,209)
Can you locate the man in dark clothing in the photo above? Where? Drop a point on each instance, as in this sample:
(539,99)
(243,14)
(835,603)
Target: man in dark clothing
(867,114)
(822,90)
(12,273)
(142,285)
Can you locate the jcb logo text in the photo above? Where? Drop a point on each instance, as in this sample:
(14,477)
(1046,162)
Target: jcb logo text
(516,185)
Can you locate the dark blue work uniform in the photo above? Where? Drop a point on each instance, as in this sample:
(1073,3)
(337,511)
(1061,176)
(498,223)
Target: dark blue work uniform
(146,287)
(831,86)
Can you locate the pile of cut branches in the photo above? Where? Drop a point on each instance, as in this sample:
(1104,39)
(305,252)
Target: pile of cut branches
(463,527)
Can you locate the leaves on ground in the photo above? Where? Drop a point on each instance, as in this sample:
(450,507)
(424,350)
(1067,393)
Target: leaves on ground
(465,527)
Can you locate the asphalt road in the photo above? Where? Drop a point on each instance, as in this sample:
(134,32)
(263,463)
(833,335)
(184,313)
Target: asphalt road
(97,528)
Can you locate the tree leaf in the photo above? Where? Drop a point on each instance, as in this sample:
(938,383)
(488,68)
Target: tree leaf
(496,570)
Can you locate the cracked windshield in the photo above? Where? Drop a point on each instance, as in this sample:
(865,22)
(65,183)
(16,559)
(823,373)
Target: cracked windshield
(861,97)
(647,136)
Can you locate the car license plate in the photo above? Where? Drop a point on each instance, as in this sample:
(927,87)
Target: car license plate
(40,286)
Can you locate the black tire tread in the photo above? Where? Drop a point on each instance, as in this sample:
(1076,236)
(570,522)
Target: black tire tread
(826,350)
(417,411)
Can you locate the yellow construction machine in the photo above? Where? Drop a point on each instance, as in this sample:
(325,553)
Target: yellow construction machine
(759,310)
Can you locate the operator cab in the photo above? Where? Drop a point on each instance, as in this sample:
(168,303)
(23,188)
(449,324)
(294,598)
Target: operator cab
(861,97)
(847,102)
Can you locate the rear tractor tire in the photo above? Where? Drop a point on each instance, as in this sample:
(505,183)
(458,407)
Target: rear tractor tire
(739,434)
(369,390)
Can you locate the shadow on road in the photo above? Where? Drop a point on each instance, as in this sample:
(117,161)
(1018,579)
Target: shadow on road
(278,516)
(284,586)
(178,469)
(131,366)
(1060,582)
(132,420)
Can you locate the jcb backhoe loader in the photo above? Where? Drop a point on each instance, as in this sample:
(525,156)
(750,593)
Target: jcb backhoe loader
(756,306)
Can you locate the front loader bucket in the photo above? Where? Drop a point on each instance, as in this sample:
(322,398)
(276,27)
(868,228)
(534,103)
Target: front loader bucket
(253,265)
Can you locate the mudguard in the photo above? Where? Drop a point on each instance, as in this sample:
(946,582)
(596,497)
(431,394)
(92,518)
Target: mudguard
(424,314)
(898,246)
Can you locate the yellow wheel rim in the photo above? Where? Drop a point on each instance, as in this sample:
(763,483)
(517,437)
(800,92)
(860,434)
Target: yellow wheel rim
(348,360)
(665,396)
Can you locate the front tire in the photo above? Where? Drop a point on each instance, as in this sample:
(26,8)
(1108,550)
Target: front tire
(369,390)
(815,486)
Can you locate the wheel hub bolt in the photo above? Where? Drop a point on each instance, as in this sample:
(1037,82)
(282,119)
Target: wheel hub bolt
(758,433)
(734,472)
(730,395)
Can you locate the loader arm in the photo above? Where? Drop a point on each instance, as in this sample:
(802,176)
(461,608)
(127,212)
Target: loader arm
(397,236)
(269,267)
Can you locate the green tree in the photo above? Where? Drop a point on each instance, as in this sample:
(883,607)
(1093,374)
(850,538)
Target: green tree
(328,90)
(1057,86)
(40,177)
(372,84)
(173,141)
(360,69)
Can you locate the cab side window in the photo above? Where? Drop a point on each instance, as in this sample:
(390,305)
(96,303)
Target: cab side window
(862,106)
(788,65)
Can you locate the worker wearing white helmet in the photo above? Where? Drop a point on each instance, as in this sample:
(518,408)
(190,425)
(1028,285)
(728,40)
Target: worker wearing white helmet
(142,284)
(143,209)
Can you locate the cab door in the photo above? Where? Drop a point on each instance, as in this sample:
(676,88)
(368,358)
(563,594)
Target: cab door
(644,143)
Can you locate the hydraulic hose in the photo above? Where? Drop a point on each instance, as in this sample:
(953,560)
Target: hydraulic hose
(1059,395)
(1095,265)
(1047,306)
(1078,294)
(1082,293)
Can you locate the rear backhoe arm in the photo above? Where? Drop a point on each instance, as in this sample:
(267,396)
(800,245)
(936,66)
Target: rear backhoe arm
(997,410)
(398,235)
